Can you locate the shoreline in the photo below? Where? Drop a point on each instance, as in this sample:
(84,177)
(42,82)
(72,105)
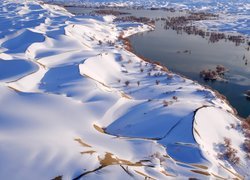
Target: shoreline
(183,26)
(200,15)
(235,37)
(130,48)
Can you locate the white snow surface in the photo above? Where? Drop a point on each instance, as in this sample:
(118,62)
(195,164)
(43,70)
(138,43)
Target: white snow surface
(74,103)
(234,15)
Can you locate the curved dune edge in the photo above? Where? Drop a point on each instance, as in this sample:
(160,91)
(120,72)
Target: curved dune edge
(93,106)
(210,134)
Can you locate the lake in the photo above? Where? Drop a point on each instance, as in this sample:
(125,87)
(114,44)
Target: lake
(190,54)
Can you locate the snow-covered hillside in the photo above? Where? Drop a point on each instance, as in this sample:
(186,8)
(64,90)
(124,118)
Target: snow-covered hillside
(75,104)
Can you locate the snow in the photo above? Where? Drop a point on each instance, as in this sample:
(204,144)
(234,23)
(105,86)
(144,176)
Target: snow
(65,108)
(207,122)
(233,15)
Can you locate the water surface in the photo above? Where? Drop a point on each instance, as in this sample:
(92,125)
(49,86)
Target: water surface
(168,47)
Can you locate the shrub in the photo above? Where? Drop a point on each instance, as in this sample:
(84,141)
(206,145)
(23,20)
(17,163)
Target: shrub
(110,43)
(229,153)
(247,133)
(209,74)
(227,142)
(246,145)
(129,61)
(110,12)
(127,83)
(158,74)
(233,126)
(245,125)
(220,69)
(248,156)
(175,98)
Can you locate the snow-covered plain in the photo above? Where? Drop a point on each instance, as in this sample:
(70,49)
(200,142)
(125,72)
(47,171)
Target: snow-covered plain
(74,103)
(234,15)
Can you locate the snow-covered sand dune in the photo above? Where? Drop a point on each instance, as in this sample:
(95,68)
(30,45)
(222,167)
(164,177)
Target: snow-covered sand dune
(76,104)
